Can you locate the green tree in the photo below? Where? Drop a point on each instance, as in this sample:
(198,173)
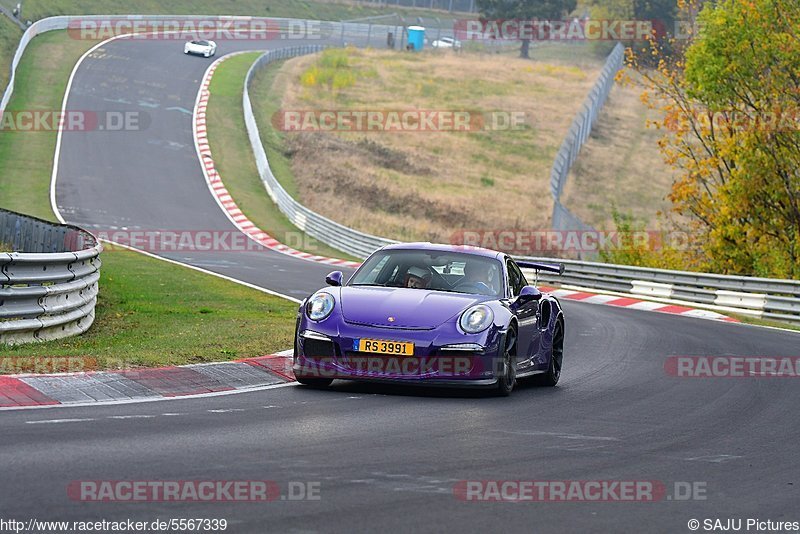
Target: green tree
(526,10)
(608,10)
(731,110)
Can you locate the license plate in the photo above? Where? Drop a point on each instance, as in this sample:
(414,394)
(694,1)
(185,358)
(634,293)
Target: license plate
(384,347)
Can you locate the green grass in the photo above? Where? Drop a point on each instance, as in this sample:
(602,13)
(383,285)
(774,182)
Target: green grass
(26,157)
(319,10)
(235,162)
(152,313)
(149,312)
(9,38)
(749,319)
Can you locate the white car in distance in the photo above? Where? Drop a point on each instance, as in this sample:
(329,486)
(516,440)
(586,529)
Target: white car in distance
(446,42)
(200,48)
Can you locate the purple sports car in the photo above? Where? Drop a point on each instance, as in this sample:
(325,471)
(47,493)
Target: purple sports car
(419,313)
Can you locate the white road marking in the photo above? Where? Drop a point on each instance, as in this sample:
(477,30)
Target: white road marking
(561,435)
(51,421)
(714,458)
(151,399)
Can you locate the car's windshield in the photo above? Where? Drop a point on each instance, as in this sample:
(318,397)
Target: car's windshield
(441,271)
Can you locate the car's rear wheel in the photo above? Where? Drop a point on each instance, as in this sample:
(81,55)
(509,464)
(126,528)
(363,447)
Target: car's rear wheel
(553,374)
(508,373)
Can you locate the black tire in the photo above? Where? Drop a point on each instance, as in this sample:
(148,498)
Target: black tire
(508,377)
(314,382)
(553,374)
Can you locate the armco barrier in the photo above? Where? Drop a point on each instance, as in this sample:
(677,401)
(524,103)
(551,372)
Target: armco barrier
(578,133)
(48,279)
(761,297)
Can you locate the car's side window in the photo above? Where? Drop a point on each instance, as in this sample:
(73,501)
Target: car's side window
(372,277)
(516,280)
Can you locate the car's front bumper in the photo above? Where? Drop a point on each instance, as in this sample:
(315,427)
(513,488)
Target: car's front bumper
(443,357)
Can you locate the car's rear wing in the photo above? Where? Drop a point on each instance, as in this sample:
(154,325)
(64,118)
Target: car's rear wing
(557,268)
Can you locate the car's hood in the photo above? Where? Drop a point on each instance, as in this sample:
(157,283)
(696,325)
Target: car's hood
(410,308)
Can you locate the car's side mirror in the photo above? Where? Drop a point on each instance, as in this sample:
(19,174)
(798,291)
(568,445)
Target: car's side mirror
(334,278)
(529,293)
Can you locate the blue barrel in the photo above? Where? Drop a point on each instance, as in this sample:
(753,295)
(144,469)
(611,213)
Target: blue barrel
(416,37)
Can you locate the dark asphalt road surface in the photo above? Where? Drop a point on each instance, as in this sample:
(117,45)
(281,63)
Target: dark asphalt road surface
(151,179)
(389,458)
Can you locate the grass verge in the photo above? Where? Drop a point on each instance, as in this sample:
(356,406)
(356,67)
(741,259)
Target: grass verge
(152,313)
(757,321)
(234,160)
(26,157)
(620,166)
(149,312)
(9,38)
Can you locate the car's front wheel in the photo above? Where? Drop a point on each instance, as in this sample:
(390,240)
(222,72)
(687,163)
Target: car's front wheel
(508,371)
(314,382)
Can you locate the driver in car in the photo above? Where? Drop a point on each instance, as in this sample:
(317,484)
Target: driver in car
(417,278)
(478,277)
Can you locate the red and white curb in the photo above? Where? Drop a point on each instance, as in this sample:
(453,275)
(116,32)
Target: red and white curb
(140,385)
(636,304)
(221,194)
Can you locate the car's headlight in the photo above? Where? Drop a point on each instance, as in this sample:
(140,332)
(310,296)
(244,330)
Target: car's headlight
(476,319)
(319,306)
